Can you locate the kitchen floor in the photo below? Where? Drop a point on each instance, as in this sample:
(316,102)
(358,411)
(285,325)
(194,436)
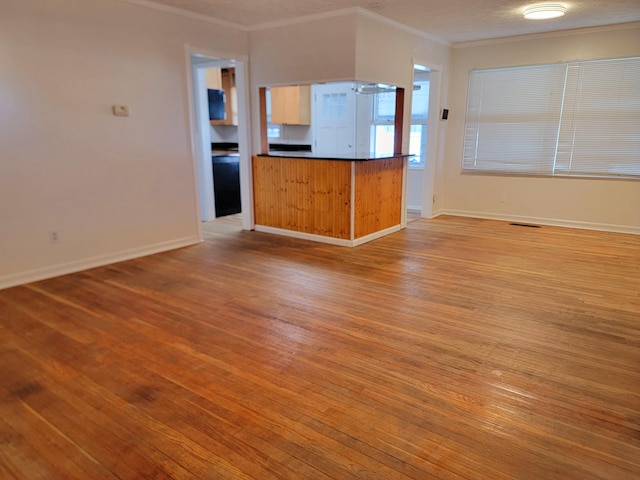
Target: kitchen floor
(222,225)
(412,215)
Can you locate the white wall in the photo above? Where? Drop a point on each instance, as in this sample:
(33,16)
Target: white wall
(321,49)
(591,203)
(415,183)
(387,53)
(112,187)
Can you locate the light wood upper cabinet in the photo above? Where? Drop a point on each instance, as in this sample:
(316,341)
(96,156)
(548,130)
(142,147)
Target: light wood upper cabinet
(228,84)
(291,105)
(213,78)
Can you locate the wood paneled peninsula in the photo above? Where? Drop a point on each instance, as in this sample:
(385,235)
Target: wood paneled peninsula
(343,201)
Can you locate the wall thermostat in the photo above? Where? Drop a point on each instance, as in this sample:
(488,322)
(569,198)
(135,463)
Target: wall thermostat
(121,110)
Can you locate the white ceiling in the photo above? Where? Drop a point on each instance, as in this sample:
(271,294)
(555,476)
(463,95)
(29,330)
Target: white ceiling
(449,20)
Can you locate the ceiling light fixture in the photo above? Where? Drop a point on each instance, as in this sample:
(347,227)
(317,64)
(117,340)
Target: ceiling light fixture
(543,11)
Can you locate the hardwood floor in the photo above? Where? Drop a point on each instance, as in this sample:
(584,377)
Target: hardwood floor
(457,348)
(413,215)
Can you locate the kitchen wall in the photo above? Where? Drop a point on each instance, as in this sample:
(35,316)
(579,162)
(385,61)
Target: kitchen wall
(224,133)
(590,203)
(111,187)
(296,135)
(355,45)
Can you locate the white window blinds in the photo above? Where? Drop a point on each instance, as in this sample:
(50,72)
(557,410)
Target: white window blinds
(579,118)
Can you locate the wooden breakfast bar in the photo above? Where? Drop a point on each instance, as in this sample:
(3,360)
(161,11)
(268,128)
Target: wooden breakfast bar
(343,201)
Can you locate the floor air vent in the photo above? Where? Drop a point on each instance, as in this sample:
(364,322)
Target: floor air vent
(524,225)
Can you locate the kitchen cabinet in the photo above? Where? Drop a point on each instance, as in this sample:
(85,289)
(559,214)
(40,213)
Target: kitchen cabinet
(291,105)
(228,84)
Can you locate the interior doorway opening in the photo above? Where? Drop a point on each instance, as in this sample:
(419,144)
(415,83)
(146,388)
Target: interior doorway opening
(418,135)
(221,138)
(423,140)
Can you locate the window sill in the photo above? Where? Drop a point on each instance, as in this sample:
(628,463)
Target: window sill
(557,175)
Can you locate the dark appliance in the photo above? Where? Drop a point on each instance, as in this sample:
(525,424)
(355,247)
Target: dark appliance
(226,184)
(216,104)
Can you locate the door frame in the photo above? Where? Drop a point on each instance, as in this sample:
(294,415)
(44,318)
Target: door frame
(429,172)
(197,60)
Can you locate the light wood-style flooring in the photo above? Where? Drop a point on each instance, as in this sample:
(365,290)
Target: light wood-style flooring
(455,349)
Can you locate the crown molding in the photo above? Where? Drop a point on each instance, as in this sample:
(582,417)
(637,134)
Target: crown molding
(292,21)
(352,11)
(186,13)
(557,33)
(402,26)
(304,19)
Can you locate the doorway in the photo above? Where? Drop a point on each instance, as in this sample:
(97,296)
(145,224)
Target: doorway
(422,140)
(220,144)
(333,119)
(418,135)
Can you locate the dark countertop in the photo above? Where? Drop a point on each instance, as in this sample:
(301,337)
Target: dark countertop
(285,147)
(313,156)
(224,146)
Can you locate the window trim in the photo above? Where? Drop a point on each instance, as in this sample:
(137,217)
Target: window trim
(423,122)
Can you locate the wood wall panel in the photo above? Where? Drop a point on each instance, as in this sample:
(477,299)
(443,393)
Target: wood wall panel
(378,195)
(310,196)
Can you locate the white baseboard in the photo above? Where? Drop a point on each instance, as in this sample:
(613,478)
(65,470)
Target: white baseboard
(93,262)
(555,222)
(437,213)
(330,240)
(414,207)
(376,235)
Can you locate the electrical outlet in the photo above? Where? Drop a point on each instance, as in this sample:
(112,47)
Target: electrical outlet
(54,237)
(503,198)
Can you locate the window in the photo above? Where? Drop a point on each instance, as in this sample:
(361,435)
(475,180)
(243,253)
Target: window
(274,132)
(382,126)
(334,105)
(578,118)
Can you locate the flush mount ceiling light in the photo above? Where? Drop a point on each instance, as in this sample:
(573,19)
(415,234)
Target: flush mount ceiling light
(543,11)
